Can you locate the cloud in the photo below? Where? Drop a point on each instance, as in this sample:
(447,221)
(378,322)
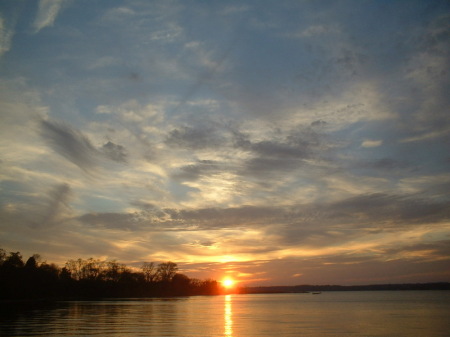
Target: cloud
(281,150)
(214,218)
(196,171)
(47,208)
(58,206)
(77,148)
(371,143)
(123,221)
(388,164)
(48,10)
(115,152)
(290,152)
(119,13)
(6,35)
(70,143)
(195,137)
(385,210)
(361,213)
(314,31)
(267,168)
(420,82)
(153,218)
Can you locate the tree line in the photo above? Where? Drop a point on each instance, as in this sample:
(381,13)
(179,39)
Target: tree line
(306,288)
(94,278)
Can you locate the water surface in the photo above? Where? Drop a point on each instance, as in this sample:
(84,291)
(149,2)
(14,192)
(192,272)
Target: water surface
(376,313)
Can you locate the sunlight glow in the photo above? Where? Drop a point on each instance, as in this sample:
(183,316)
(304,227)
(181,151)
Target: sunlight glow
(228,282)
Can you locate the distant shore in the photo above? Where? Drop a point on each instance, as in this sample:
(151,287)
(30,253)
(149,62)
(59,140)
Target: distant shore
(372,287)
(314,289)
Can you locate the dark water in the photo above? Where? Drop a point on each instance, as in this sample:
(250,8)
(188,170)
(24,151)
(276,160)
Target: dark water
(392,313)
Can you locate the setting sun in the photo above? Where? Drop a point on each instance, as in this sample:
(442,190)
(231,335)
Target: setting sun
(228,282)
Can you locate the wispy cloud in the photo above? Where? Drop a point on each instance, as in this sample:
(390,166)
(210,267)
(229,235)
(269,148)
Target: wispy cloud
(6,35)
(371,143)
(69,143)
(115,152)
(76,147)
(48,10)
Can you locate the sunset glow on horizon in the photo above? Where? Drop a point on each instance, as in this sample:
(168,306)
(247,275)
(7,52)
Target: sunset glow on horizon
(251,142)
(228,283)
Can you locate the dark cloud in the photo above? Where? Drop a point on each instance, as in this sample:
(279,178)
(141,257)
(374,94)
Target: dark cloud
(300,144)
(135,77)
(322,224)
(77,148)
(267,157)
(124,221)
(49,208)
(147,206)
(70,143)
(195,137)
(421,76)
(196,171)
(272,157)
(434,250)
(216,218)
(331,220)
(438,190)
(57,204)
(388,164)
(240,139)
(281,150)
(207,243)
(342,269)
(149,212)
(354,218)
(115,152)
(270,167)
(319,123)
(381,209)
(152,218)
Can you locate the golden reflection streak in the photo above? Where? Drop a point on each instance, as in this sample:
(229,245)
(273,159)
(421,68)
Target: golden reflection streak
(228,316)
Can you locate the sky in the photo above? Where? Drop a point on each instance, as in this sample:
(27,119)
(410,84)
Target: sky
(275,142)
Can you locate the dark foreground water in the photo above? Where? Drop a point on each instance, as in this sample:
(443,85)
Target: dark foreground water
(377,313)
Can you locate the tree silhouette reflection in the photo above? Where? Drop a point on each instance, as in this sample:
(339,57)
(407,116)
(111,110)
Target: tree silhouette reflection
(228,316)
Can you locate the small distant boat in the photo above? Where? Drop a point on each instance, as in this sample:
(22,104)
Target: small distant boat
(316,292)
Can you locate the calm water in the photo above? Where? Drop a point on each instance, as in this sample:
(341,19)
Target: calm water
(392,313)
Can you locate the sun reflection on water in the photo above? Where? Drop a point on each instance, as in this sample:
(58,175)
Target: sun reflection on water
(228,317)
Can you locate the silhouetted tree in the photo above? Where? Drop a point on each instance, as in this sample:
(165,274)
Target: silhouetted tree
(209,287)
(181,284)
(64,275)
(75,268)
(2,256)
(51,270)
(149,271)
(14,260)
(166,271)
(93,278)
(114,271)
(91,269)
(32,262)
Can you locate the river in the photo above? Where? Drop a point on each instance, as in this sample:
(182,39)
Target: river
(355,313)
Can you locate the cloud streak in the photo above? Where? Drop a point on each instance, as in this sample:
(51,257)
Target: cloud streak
(70,144)
(48,10)
(6,35)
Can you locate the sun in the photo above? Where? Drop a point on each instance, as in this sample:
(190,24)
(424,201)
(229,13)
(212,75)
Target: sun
(228,282)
